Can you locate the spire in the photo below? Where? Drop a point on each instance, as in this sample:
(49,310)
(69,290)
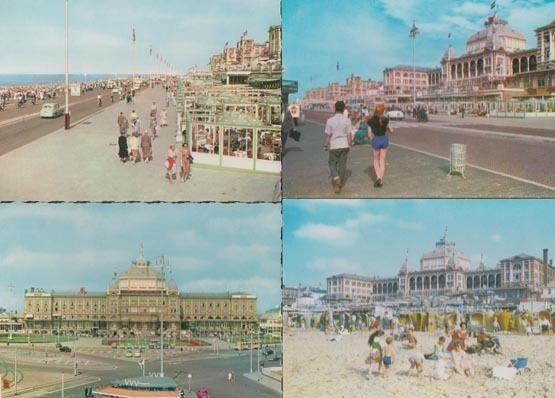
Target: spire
(142,250)
(445,234)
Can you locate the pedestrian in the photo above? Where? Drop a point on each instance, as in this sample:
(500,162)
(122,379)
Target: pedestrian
(163,117)
(338,139)
(153,126)
(171,160)
(153,110)
(379,138)
(123,150)
(134,144)
(146,146)
(287,128)
(123,124)
(185,162)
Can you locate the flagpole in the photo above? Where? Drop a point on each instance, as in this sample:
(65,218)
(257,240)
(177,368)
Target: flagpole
(66,116)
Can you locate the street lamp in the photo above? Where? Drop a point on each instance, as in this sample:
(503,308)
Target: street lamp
(62,384)
(189,376)
(66,121)
(15,371)
(413,32)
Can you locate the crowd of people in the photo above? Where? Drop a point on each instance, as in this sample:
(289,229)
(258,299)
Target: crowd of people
(135,143)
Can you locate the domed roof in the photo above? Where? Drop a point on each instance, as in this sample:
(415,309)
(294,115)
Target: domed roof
(493,29)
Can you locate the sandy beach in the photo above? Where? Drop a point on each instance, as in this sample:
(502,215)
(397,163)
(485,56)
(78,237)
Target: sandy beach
(315,367)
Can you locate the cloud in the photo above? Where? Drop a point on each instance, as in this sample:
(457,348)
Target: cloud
(364,219)
(496,238)
(268,290)
(314,205)
(415,226)
(471,8)
(329,234)
(269,220)
(329,266)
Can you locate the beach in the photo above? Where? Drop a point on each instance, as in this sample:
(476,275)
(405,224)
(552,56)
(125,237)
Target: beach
(315,367)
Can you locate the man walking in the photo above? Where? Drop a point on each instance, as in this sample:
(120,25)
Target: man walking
(338,139)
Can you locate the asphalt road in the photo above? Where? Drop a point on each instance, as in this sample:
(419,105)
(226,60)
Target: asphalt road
(14,135)
(208,371)
(527,158)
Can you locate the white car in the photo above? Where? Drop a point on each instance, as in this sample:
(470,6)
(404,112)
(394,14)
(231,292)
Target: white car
(395,114)
(51,110)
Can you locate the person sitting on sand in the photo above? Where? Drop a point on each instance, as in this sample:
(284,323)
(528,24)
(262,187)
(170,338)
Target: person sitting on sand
(459,334)
(388,354)
(459,364)
(375,356)
(545,325)
(439,350)
(411,341)
(488,342)
(416,361)
(527,326)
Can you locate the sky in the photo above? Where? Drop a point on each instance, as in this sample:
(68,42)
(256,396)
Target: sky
(371,237)
(185,32)
(210,247)
(366,36)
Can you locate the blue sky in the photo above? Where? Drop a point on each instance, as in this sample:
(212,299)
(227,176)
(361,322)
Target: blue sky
(371,237)
(366,36)
(186,32)
(211,247)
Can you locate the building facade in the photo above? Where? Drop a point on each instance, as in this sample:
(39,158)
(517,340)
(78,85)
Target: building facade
(137,302)
(401,79)
(446,270)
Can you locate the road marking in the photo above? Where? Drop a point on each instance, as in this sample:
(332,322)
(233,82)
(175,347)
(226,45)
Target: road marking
(520,179)
(515,136)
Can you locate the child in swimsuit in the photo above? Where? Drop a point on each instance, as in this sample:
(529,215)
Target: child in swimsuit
(388,354)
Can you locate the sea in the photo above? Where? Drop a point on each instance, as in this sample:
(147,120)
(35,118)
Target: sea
(27,79)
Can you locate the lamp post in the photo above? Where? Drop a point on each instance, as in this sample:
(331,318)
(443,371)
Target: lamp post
(66,115)
(413,32)
(162,334)
(189,376)
(62,384)
(15,371)
(251,351)
(1,383)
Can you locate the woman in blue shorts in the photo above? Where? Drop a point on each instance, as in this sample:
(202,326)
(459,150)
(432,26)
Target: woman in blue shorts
(379,138)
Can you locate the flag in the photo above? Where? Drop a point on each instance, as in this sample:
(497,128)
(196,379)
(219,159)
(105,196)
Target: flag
(337,66)
(245,33)
(226,44)
(493,4)
(133,36)
(449,35)
(150,52)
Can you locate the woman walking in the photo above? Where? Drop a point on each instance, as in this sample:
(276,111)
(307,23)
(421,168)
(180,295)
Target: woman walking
(185,162)
(379,138)
(123,150)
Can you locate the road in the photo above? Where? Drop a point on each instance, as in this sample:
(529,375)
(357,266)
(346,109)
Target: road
(524,152)
(208,370)
(22,132)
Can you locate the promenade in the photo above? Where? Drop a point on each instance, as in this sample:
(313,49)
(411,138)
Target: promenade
(82,165)
(514,163)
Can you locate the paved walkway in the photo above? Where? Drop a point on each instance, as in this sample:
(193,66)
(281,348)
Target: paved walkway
(82,165)
(409,174)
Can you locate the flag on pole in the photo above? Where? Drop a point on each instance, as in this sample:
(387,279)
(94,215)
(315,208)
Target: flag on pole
(226,44)
(337,66)
(449,35)
(133,36)
(245,33)
(493,4)
(150,52)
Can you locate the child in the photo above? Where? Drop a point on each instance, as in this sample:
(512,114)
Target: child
(416,361)
(439,350)
(388,354)
(411,341)
(375,356)
(458,358)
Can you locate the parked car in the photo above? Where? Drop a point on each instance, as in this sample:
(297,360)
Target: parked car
(65,348)
(395,114)
(51,110)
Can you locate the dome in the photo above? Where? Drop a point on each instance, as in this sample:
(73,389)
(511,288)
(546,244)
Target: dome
(171,285)
(496,33)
